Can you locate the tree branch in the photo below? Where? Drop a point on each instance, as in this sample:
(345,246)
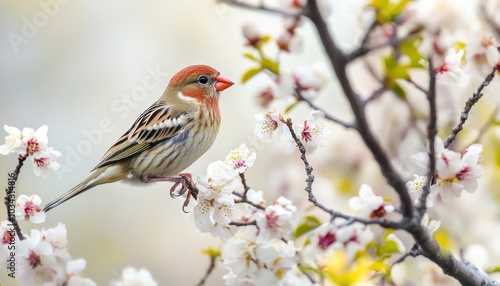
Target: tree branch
(468,106)
(431,137)
(210,269)
(10,195)
(301,97)
(246,201)
(339,62)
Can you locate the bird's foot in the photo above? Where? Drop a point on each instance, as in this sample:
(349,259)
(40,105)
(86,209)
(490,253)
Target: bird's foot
(186,183)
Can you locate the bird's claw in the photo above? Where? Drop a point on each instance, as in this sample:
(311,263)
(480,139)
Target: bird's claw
(185,180)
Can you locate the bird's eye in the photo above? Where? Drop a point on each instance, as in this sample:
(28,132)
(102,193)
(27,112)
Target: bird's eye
(203,79)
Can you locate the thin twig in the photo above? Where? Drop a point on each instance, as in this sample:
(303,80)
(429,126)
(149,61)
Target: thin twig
(418,86)
(239,223)
(431,136)
(246,188)
(310,177)
(301,97)
(468,106)
(244,199)
(414,252)
(210,269)
(376,94)
(363,49)
(10,195)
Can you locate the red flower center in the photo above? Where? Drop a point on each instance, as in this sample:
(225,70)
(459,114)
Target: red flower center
(326,240)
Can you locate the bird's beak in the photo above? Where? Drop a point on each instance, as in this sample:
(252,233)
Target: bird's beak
(222,82)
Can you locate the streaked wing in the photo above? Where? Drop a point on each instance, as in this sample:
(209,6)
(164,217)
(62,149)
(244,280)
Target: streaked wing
(159,122)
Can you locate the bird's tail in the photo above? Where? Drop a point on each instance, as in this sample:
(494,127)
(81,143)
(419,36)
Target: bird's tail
(100,176)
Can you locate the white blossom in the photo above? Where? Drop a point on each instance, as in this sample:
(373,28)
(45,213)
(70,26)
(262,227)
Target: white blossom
(251,32)
(482,53)
(430,225)
(369,203)
(311,79)
(44,161)
(13,142)
(277,220)
(451,71)
(455,172)
(415,188)
(268,125)
(252,263)
(240,159)
(312,133)
(28,208)
(215,200)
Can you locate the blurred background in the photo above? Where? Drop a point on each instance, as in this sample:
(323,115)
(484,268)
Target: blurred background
(75,70)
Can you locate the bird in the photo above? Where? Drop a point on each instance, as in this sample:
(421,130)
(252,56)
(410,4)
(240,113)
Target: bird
(166,138)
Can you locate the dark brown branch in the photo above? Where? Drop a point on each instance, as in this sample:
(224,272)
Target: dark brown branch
(308,168)
(364,49)
(10,195)
(246,188)
(238,223)
(243,199)
(431,136)
(339,62)
(376,94)
(210,269)
(301,97)
(465,272)
(414,252)
(418,86)
(310,179)
(468,106)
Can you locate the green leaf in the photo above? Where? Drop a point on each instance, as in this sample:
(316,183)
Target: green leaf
(388,11)
(250,73)
(212,252)
(390,247)
(270,65)
(410,49)
(493,269)
(292,106)
(251,56)
(386,233)
(309,223)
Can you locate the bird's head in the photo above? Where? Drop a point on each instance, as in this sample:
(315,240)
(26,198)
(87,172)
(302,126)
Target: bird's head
(198,83)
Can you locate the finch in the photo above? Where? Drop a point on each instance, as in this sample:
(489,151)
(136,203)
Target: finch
(166,138)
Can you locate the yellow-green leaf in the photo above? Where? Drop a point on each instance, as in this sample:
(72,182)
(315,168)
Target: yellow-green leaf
(390,247)
(251,56)
(250,73)
(270,65)
(212,252)
(309,223)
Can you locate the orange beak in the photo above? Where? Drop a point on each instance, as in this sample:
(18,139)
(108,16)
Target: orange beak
(222,82)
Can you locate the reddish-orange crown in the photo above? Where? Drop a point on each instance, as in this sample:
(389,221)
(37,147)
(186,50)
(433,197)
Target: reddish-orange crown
(190,71)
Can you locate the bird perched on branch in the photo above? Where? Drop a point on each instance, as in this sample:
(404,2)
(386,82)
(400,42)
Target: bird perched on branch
(166,138)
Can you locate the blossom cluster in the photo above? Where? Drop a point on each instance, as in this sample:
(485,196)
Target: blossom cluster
(455,171)
(32,143)
(43,257)
(312,133)
(261,240)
